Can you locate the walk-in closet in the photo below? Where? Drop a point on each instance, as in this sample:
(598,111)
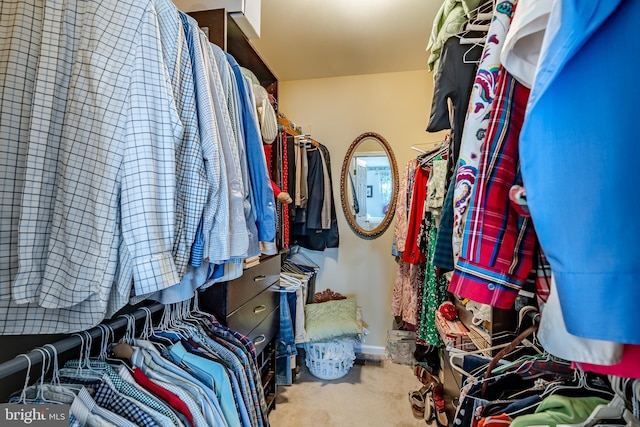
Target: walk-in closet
(247,213)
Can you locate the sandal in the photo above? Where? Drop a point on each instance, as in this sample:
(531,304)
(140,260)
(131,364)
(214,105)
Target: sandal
(417,404)
(429,406)
(423,374)
(438,399)
(417,400)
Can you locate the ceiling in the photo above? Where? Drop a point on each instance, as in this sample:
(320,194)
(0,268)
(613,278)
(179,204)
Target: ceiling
(304,39)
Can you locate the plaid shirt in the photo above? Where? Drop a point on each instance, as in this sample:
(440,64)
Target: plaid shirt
(498,245)
(128,389)
(106,396)
(234,363)
(245,349)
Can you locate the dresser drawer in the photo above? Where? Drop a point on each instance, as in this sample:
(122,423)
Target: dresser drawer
(266,330)
(250,314)
(253,281)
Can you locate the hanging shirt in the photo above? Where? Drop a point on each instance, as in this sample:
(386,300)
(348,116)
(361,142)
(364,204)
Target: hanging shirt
(523,41)
(244,349)
(164,393)
(126,388)
(214,375)
(412,253)
(557,409)
(100,262)
(238,240)
(167,366)
(583,209)
(453,82)
(83,221)
(127,377)
(96,412)
(476,125)
(245,402)
(498,247)
(262,198)
(191,180)
(556,340)
(234,105)
(449,20)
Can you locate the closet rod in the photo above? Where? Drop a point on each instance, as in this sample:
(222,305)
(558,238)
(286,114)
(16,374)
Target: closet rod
(20,363)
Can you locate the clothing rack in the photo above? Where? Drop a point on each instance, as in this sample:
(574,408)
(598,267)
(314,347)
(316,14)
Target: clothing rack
(21,363)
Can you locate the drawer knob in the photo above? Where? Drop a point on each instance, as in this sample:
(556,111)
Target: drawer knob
(259,309)
(259,340)
(259,278)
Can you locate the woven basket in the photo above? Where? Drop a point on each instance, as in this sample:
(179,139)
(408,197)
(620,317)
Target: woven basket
(330,360)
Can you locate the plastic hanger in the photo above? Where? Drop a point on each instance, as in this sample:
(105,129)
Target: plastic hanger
(40,387)
(613,411)
(428,160)
(636,398)
(457,353)
(196,308)
(475,31)
(580,382)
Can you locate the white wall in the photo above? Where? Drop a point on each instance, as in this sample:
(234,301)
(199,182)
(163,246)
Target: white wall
(335,111)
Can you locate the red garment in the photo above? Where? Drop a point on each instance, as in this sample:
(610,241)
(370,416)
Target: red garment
(285,183)
(628,367)
(498,244)
(412,253)
(170,398)
(501,420)
(268,149)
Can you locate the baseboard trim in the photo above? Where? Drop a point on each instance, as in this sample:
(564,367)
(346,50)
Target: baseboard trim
(370,349)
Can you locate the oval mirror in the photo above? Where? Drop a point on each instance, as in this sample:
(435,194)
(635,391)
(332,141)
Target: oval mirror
(369,185)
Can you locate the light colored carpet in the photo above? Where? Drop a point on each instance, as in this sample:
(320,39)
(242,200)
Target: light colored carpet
(370,395)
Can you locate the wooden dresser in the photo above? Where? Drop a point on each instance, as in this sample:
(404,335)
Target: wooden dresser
(249,305)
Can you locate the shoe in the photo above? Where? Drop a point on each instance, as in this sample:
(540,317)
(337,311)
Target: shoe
(438,399)
(417,399)
(423,374)
(429,406)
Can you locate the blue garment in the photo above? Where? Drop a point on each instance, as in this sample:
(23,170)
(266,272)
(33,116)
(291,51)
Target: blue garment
(106,396)
(216,212)
(244,348)
(285,343)
(185,390)
(262,192)
(238,238)
(191,180)
(577,149)
(89,404)
(242,388)
(128,389)
(233,103)
(215,376)
(85,234)
(73,421)
(215,414)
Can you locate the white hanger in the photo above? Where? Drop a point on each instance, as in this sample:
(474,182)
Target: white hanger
(614,410)
(481,15)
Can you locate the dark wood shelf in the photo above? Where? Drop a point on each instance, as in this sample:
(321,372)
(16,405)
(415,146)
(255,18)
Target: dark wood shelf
(266,379)
(271,401)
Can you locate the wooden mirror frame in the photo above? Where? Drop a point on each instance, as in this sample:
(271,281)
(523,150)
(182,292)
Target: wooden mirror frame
(384,224)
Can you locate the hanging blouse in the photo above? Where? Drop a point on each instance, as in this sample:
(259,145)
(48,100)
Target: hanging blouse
(476,125)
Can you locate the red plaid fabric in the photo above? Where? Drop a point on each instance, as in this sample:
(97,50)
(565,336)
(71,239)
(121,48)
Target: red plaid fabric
(498,244)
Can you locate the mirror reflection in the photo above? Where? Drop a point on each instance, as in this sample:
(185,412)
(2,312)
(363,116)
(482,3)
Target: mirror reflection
(371,185)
